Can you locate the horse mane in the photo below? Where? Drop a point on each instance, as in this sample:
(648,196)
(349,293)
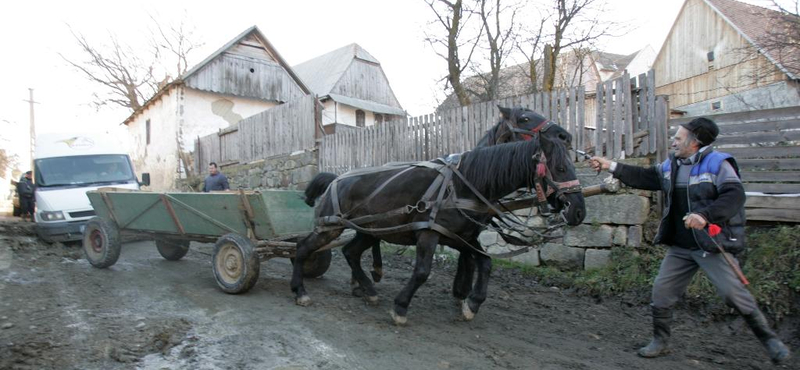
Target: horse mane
(496,169)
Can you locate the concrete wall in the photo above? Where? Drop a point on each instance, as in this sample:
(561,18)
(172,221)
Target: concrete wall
(612,221)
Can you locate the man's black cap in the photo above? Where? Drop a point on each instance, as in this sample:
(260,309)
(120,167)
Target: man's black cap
(27,172)
(704,129)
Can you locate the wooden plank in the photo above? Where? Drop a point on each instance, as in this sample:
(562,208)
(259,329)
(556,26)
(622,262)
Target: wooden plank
(763,151)
(572,124)
(651,111)
(770,176)
(750,116)
(635,118)
(769,164)
(759,137)
(581,118)
(772,188)
(769,214)
(660,127)
(776,202)
(630,124)
(610,124)
(619,123)
(598,132)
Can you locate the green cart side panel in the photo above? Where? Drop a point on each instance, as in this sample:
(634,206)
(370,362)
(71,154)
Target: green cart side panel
(275,213)
(287,212)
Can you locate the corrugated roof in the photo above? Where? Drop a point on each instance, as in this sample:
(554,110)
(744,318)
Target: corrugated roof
(323,72)
(757,25)
(367,105)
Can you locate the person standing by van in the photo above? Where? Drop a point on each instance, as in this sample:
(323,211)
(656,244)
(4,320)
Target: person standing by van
(25,191)
(215,180)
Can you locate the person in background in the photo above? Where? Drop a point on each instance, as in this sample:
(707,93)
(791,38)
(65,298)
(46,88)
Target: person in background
(25,190)
(701,187)
(215,180)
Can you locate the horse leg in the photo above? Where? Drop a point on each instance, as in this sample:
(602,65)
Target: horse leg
(471,305)
(352,253)
(305,248)
(426,246)
(462,284)
(377,262)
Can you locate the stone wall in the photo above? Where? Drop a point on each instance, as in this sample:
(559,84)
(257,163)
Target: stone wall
(293,172)
(612,221)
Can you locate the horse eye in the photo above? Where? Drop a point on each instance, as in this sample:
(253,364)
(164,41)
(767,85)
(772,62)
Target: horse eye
(561,169)
(523,119)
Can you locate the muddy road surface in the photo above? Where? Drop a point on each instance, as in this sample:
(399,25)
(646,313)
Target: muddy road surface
(58,312)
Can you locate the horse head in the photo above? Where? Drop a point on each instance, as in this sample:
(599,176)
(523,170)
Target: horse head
(522,124)
(561,181)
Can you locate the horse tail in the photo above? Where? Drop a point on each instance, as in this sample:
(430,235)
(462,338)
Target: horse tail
(317,186)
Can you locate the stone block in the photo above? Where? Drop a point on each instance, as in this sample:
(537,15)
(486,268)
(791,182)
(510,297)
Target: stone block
(530,258)
(588,236)
(487,238)
(497,249)
(596,258)
(561,256)
(620,235)
(634,236)
(304,174)
(624,209)
(254,181)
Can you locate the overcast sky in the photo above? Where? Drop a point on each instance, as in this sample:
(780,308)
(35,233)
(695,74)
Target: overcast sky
(35,32)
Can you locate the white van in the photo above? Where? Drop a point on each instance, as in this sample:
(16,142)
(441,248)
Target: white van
(66,166)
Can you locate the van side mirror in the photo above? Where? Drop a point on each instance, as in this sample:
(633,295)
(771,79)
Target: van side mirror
(145,179)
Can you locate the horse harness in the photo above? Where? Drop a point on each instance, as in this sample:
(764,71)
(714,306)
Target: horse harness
(434,198)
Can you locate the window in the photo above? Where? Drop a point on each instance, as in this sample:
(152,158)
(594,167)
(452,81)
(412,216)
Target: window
(147,130)
(710,56)
(360,118)
(717,105)
(378,119)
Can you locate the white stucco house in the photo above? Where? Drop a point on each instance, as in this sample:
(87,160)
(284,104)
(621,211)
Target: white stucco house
(244,77)
(352,87)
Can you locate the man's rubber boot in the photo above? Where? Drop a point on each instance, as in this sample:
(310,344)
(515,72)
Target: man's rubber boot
(778,352)
(662,318)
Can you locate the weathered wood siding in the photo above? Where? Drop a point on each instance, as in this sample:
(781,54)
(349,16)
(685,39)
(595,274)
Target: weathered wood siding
(246,76)
(280,130)
(366,81)
(766,145)
(682,66)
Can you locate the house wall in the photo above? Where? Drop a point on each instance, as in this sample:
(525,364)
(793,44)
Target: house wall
(206,112)
(366,81)
(782,94)
(344,114)
(682,66)
(159,158)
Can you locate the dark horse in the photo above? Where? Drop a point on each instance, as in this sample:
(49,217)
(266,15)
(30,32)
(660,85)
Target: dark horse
(378,198)
(516,124)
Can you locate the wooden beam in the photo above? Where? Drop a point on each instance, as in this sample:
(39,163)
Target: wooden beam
(772,188)
(769,214)
(758,201)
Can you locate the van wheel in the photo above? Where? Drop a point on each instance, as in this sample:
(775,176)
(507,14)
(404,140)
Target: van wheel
(172,249)
(101,243)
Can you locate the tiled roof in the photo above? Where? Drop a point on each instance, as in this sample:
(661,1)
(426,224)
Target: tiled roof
(758,25)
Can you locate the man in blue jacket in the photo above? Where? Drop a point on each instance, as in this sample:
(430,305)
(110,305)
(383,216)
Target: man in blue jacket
(701,187)
(215,181)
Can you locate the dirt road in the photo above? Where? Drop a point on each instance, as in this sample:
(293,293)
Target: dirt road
(56,311)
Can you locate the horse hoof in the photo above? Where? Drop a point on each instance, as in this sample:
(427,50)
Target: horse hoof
(466,311)
(358,291)
(371,300)
(398,320)
(303,301)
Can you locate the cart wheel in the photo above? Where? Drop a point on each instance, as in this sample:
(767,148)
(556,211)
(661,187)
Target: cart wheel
(172,249)
(317,264)
(235,263)
(101,243)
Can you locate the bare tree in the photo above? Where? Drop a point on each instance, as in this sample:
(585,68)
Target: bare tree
(127,76)
(781,39)
(450,15)
(499,43)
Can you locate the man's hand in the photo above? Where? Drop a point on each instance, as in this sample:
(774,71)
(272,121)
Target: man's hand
(600,163)
(694,221)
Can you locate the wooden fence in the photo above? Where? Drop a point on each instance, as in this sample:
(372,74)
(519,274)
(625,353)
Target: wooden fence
(626,112)
(280,130)
(766,145)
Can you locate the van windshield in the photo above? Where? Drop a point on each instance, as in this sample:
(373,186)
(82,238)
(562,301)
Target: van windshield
(83,170)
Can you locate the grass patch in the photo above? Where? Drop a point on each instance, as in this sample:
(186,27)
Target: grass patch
(771,264)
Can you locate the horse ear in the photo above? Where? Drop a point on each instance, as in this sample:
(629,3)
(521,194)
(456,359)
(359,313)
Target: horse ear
(505,112)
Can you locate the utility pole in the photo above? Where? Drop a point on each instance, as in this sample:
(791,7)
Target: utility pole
(33,127)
